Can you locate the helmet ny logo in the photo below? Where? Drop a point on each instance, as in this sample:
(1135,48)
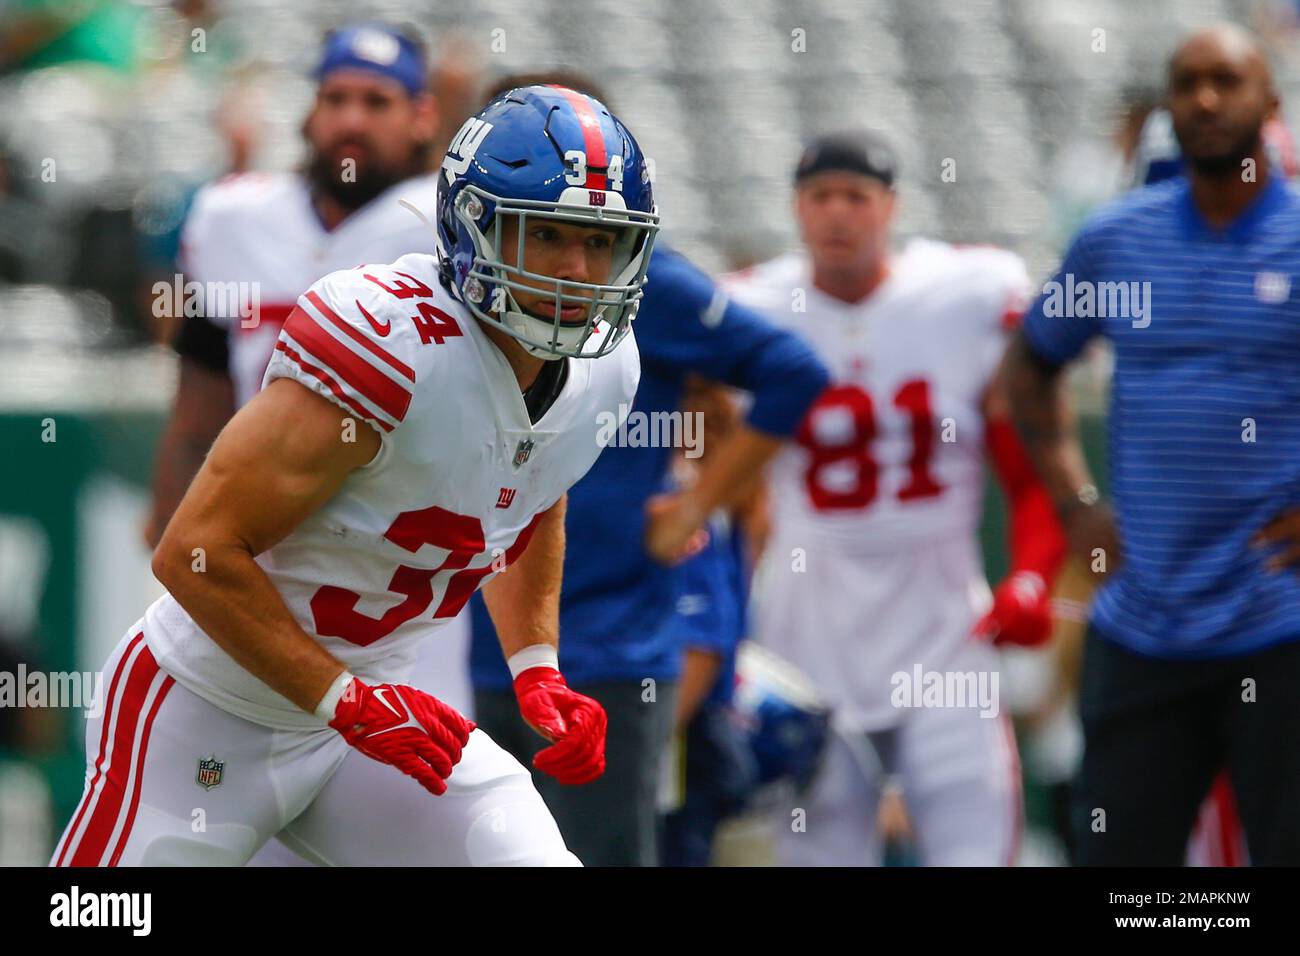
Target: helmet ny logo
(465,145)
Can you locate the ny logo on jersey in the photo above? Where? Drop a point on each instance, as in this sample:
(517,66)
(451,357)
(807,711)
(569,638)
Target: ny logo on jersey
(505,497)
(210,772)
(523,450)
(464,146)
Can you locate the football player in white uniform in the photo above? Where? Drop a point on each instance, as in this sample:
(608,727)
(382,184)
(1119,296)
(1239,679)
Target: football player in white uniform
(418,427)
(369,135)
(254,241)
(872,581)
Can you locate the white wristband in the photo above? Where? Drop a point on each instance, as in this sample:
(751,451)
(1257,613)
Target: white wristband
(534,655)
(330,702)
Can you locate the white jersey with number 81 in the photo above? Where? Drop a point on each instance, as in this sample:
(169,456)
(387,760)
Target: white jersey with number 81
(873,564)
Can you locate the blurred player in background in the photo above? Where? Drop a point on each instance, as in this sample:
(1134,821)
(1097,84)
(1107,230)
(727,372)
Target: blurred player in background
(369,135)
(1192,661)
(332,547)
(873,569)
(621,642)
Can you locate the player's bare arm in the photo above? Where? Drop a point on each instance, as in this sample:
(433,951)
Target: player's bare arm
(205,400)
(280,458)
(1282,534)
(674,520)
(1046,423)
(524,600)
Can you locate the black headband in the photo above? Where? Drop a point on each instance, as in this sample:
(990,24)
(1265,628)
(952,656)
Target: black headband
(861,151)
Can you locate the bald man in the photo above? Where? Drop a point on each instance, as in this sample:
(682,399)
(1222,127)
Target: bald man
(1193,655)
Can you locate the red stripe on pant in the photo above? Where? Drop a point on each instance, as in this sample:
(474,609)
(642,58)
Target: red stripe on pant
(128,708)
(167,683)
(1223,804)
(110,705)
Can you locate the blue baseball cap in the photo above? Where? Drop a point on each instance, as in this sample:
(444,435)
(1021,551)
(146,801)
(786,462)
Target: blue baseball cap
(375,48)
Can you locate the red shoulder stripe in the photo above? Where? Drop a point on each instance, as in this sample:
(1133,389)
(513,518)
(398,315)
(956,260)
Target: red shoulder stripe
(367,344)
(373,385)
(328,379)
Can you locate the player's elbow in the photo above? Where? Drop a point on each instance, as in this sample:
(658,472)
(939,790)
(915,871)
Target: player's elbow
(166,560)
(176,563)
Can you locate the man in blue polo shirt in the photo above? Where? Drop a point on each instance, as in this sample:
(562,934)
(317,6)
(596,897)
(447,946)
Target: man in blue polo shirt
(1193,658)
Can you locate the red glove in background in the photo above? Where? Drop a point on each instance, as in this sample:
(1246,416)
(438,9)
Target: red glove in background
(1021,613)
(574,722)
(405,727)
(1022,607)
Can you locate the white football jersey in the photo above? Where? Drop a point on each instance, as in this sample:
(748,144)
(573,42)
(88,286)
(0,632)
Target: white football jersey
(255,239)
(893,452)
(451,498)
(873,563)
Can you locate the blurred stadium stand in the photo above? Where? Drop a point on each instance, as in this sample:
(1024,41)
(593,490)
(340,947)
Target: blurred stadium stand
(714,88)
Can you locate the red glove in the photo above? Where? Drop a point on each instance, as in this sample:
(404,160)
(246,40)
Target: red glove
(575,723)
(405,727)
(1021,614)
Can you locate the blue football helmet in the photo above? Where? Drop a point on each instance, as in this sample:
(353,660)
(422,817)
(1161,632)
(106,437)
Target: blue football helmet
(546,152)
(786,719)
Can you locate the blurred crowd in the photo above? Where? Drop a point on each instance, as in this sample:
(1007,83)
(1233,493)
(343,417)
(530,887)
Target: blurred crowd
(115,111)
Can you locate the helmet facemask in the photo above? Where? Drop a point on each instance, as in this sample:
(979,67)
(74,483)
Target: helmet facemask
(609,307)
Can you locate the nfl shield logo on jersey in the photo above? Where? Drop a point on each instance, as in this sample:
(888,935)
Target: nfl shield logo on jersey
(210,770)
(523,450)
